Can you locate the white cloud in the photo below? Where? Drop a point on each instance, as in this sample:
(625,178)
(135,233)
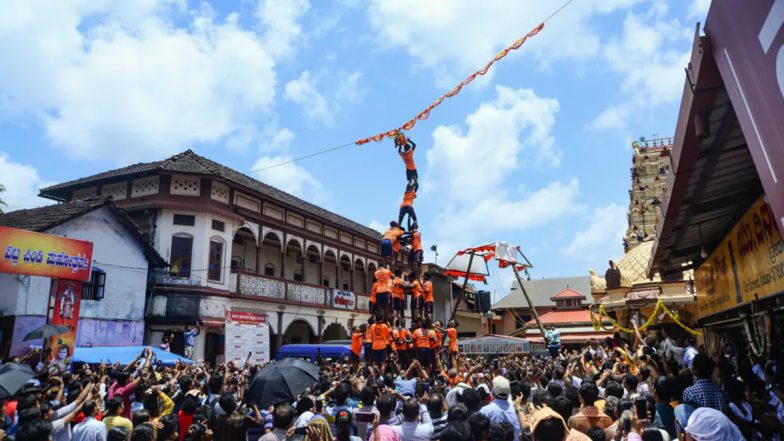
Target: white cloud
(316,106)
(291,178)
(378,226)
(602,238)
(474,163)
(470,168)
(456,37)
(650,56)
(21,185)
(127,79)
(698,9)
(281,19)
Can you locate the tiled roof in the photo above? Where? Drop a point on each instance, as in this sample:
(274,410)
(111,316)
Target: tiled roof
(568,293)
(541,290)
(42,219)
(190,162)
(573,316)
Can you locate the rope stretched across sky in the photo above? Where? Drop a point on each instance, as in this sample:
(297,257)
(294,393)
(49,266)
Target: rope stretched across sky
(423,115)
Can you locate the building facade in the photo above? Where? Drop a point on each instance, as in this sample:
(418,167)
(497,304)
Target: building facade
(112,306)
(724,207)
(233,243)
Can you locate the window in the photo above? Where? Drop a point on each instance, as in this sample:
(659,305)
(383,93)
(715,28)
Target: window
(345,285)
(298,275)
(313,258)
(93,290)
(218,225)
(269,270)
(184,219)
(325,281)
(215,263)
(180,262)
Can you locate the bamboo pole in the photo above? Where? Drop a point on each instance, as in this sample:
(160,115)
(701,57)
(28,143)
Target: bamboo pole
(463,289)
(528,299)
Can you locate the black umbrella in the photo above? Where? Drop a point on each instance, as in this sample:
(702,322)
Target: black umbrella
(282,381)
(12,377)
(46,331)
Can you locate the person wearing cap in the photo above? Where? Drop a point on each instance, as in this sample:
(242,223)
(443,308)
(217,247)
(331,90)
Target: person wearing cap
(706,424)
(500,410)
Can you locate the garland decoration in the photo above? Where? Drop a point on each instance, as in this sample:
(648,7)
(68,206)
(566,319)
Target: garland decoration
(423,115)
(660,307)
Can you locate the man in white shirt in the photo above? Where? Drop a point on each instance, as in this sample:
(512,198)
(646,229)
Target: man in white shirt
(410,429)
(688,355)
(89,429)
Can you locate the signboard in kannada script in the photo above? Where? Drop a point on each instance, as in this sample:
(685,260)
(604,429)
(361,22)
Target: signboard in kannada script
(748,263)
(247,332)
(38,254)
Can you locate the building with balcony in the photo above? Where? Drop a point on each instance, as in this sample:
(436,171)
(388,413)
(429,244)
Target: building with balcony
(233,243)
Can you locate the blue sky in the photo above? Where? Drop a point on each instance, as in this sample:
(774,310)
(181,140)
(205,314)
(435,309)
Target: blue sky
(537,153)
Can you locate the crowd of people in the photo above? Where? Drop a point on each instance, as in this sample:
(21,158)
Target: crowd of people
(651,389)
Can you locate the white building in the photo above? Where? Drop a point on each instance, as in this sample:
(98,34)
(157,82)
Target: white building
(234,243)
(112,308)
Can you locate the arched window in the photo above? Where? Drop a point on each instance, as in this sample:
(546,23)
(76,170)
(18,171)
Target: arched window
(181,251)
(215,262)
(93,290)
(269,270)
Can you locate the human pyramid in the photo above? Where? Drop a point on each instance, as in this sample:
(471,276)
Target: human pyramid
(386,332)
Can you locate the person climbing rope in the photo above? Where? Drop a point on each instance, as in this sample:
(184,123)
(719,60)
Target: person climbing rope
(390,243)
(407,208)
(405,147)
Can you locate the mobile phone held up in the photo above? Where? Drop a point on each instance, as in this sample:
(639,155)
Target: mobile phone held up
(641,406)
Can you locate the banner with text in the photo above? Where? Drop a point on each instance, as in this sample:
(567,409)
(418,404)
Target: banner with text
(247,333)
(37,254)
(748,263)
(67,296)
(343,299)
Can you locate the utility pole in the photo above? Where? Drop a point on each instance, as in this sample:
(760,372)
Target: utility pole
(528,299)
(465,283)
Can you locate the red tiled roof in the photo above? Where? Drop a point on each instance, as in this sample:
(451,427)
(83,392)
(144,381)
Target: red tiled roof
(567,293)
(577,337)
(574,316)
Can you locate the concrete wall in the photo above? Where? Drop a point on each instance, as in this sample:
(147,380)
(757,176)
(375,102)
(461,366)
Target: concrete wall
(118,318)
(110,332)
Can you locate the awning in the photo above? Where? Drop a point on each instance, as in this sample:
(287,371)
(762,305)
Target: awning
(575,338)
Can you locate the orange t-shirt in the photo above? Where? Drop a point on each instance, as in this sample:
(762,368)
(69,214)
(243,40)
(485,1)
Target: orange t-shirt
(423,338)
(405,334)
(416,289)
(437,341)
(452,333)
(380,334)
(416,241)
(378,287)
(408,199)
(427,291)
(408,159)
(394,344)
(393,233)
(356,343)
(383,275)
(368,336)
(397,289)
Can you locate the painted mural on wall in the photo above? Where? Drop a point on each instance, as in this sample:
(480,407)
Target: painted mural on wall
(67,298)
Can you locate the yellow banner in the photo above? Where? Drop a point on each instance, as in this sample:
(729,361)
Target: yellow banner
(747,264)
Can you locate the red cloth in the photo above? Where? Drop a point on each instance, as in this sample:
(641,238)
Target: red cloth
(185,420)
